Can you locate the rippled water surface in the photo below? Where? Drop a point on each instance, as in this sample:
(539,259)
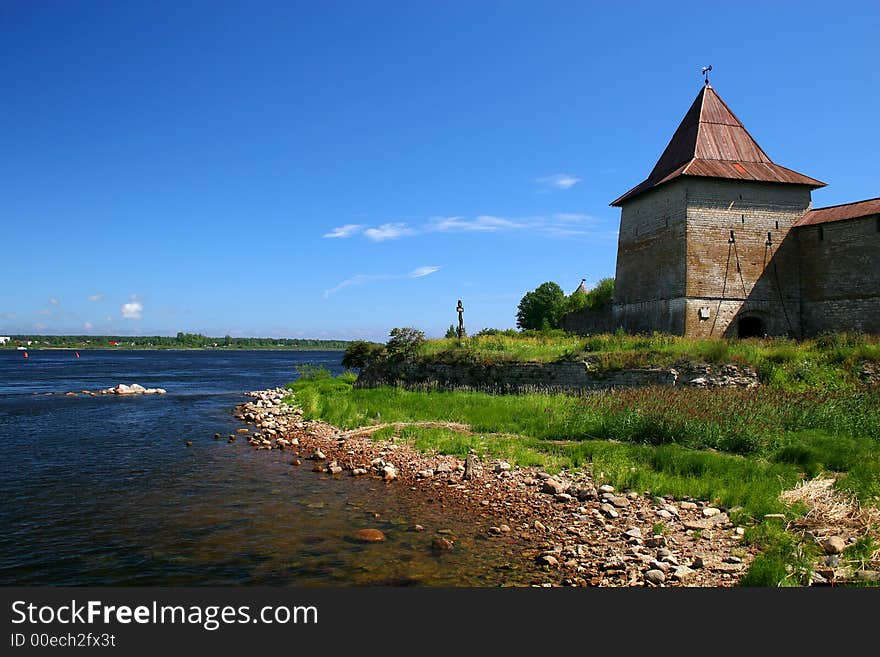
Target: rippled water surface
(103,490)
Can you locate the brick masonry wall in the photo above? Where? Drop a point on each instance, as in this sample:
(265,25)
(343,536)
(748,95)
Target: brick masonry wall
(543,377)
(840,276)
(748,277)
(651,259)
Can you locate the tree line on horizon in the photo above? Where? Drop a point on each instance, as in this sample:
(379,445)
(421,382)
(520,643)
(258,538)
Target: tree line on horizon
(180,341)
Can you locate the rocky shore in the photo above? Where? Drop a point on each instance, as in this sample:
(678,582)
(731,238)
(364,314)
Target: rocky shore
(568,530)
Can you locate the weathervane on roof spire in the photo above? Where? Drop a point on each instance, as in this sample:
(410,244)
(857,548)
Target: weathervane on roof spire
(705,73)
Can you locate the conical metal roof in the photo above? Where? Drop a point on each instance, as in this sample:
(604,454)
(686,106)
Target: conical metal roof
(711,142)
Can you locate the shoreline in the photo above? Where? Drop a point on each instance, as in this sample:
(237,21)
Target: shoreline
(568,531)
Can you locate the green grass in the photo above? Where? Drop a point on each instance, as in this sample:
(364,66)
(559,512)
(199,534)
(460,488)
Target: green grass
(826,362)
(732,447)
(725,444)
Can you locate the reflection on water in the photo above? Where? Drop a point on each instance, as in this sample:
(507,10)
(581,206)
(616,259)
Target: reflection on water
(103,490)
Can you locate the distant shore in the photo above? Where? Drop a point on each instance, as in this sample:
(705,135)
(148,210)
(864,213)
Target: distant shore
(155,348)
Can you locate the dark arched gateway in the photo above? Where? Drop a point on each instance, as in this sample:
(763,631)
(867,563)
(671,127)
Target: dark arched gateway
(750,327)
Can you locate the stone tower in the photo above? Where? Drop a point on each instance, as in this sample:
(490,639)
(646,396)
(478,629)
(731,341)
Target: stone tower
(700,250)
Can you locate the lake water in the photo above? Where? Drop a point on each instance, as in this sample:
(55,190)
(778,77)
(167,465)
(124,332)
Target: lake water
(104,491)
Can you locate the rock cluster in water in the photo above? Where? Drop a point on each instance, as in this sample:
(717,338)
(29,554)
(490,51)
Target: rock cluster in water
(133,389)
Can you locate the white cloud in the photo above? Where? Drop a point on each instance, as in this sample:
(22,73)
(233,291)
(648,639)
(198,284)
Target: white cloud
(45,312)
(54,301)
(88,326)
(423,271)
(560,224)
(96,297)
(40,327)
(486,223)
(388,232)
(345,231)
(361,279)
(560,180)
(132,309)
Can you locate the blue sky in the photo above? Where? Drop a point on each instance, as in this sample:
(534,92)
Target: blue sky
(336,169)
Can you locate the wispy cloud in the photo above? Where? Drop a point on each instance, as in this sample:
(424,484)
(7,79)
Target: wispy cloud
(361,279)
(388,232)
(559,181)
(45,312)
(563,224)
(88,326)
(96,297)
(423,271)
(345,231)
(133,309)
(484,223)
(54,301)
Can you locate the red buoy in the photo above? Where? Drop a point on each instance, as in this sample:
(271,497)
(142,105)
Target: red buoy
(25,355)
(76,353)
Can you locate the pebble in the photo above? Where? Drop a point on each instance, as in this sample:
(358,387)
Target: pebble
(710,511)
(369,535)
(681,573)
(317,455)
(548,560)
(609,511)
(633,532)
(605,488)
(554,486)
(655,577)
(688,506)
(833,545)
(441,543)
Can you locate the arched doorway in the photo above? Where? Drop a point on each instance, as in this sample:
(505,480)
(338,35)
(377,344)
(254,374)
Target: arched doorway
(750,327)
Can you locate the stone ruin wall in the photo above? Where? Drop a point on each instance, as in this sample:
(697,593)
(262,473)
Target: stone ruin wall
(570,377)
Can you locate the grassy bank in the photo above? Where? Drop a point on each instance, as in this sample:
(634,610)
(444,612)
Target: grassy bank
(831,361)
(736,448)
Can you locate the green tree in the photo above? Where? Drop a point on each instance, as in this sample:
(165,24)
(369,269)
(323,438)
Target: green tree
(405,342)
(360,353)
(541,308)
(451,332)
(602,295)
(575,301)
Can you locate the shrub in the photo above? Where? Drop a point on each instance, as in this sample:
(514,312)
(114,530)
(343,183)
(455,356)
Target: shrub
(309,372)
(361,353)
(405,342)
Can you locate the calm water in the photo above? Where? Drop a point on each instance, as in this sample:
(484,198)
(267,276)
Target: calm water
(103,490)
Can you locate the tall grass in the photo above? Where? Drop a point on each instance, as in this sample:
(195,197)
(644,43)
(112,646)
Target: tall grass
(780,433)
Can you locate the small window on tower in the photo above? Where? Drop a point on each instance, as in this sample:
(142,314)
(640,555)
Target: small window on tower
(878,223)
(777,225)
(821,233)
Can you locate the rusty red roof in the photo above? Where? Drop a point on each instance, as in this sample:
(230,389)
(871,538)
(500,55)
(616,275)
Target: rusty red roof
(711,142)
(853,210)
